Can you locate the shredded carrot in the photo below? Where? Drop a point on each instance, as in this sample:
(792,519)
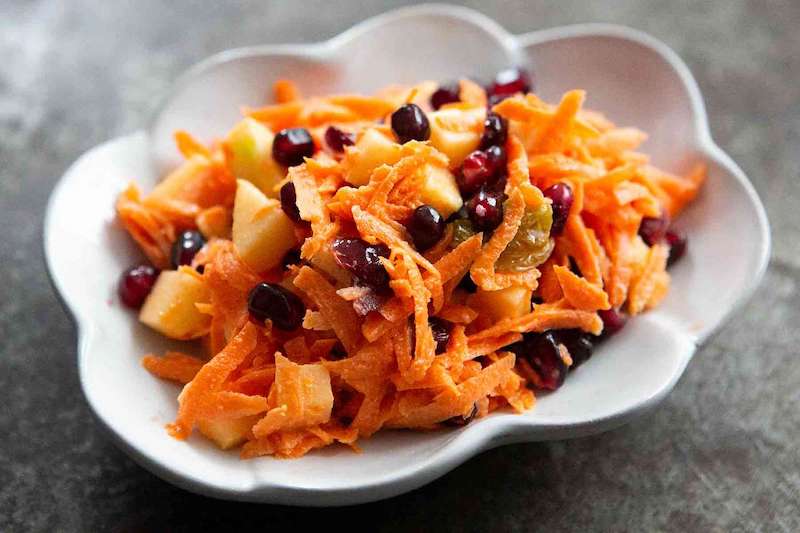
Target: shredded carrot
(174,366)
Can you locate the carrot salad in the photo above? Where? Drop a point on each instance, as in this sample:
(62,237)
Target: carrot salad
(416,258)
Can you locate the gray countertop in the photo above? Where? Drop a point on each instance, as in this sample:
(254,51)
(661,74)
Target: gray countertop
(720,454)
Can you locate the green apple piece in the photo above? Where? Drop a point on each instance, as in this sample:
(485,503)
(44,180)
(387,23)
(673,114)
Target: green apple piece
(512,302)
(439,189)
(250,144)
(455,143)
(170,307)
(372,150)
(262,233)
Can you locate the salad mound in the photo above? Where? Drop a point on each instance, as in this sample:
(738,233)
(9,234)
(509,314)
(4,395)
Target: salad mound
(416,258)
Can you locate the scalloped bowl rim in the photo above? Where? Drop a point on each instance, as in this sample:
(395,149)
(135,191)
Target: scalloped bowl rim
(492,431)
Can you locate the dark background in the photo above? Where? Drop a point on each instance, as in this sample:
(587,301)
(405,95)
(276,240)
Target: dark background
(721,453)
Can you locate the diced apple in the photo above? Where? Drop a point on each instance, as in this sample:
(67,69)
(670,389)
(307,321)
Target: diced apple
(439,189)
(262,233)
(454,132)
(177,182)
(372,150)
(227,433)
(505,303)
(250,143)
(323,261)
(170,307)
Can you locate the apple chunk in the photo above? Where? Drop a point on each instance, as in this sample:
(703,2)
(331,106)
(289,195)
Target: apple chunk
(250,144)
(170,307)
(372,150)
(456,132)
(439,189)
(505,303)
(227,433)
(262,233)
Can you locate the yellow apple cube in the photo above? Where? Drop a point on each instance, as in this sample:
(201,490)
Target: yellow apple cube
(227,433)
(505,303)
(372,150)
(439,189)
(262,233)
(456,132)
(170,307)
(250,144)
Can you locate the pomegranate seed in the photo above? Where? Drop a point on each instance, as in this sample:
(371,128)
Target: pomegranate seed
(511,81)
(578,343)
(135,284)
(362,260)
(409,123)
(273,302)
(541,352)
(476,170)
(291,146)
(497,158)
(289,202)
(495,131)
(441,332)
(677,245)
(613,321)
(561,196)
(426,227)
(485,210)
(337,139)
(186,247)
(458,421)
(652,230)
(445,94)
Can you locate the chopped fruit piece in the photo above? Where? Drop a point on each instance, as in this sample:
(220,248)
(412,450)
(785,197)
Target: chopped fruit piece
(652,230)
(324,261)
(505,303)
(371,151)
(510,81)
(267,301)
(441,333)
(289,202)
(495,131)
(135,284)
(542,352)
(453,134)
(291,146)
(228,433)
(262,233)
(613,321)
(532,245)
(409,123)
(439,190)
(426,227)
(250,144)
(170,308)
(677,246)
(337,139)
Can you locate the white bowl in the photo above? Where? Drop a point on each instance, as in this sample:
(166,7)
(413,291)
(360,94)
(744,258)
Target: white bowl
(633,78)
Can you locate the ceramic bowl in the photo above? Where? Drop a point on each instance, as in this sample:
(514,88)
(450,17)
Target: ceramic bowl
(633,78)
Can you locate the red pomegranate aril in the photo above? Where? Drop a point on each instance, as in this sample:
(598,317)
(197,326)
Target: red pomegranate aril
(561,196)
(269,301)
(677,245)
(542,353)
(652,230)
(497,158)
(135,284)
(441,333)
(426,227)
(485,210)
(495,131)
(578,343)
(409,123)
(337,139)
(289,202)
(186,247)
(476,170)
(445,94)
(362,260)
(291,146)
(613,321)
(511,81)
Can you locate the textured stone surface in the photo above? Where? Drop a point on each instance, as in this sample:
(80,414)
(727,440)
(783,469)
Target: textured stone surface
(720,454)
